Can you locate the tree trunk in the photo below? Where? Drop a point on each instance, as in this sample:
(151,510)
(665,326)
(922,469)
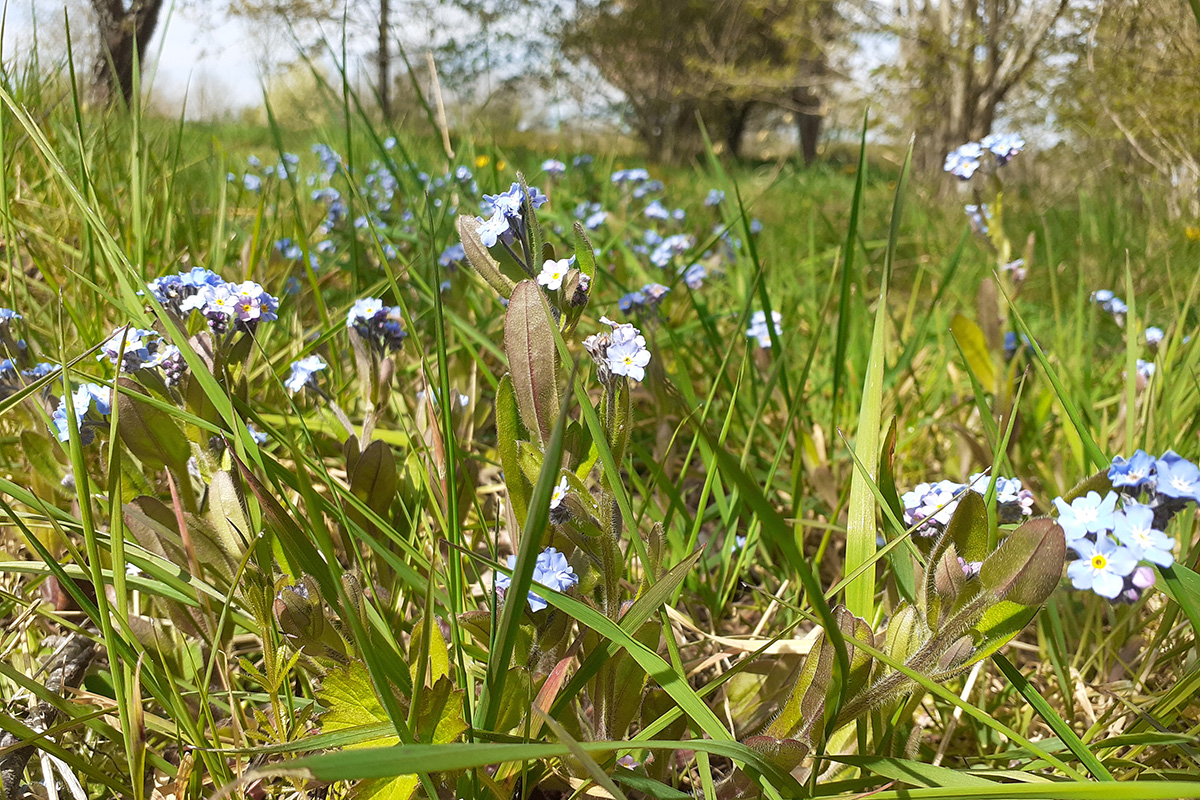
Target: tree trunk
(736,119)
(808,122)
(124,36)
(385,61)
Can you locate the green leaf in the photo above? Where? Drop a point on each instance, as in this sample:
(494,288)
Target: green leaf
(1056,723)
(975,350)
(508,434)
(352,705)
(585,255)
(861,530)
(529,345)
(914,773)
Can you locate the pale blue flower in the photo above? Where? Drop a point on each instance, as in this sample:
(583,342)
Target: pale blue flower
(1135,473)
(715,197)
(1102,566)
(656,210)
(1134,528)
(304,373)
(1003,146)
(92,403)
(1090,514)
(1177,478)
(627,354)
(758,327)
(553,166)
(452,255)
(963,161)
(1154,336)
(694,276)
(553,272)
(551,570)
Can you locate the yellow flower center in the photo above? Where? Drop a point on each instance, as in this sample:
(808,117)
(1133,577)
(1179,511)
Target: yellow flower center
(1099,561)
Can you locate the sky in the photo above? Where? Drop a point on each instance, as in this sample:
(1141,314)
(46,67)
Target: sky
(198,51)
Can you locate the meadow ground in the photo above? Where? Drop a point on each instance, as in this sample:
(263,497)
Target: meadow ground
(325,423)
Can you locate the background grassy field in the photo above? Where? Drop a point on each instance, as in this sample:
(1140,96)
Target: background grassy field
(93,206)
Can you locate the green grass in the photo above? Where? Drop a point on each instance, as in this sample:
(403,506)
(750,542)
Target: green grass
(215,676)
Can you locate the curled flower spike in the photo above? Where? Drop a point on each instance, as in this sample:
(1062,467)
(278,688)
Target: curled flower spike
(379,325)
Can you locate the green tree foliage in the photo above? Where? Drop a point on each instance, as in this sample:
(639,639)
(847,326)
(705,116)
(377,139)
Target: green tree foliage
(676,63)
(1132,87)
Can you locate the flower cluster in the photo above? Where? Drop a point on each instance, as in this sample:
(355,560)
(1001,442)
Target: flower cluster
(630,176)
(1165,485)
(506,221)
(551,570)
(141,349)
(92,403)
(1111,303)
(13,379)
(379,325)
(552,166)
(645,299)
(221,302)
(980,218)
(931,505)
(1117,545)
(965,160)
(758,327)
(670,247)
(622,352)
(242,305)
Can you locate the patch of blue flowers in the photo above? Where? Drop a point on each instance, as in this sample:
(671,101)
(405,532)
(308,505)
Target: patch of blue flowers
(1116,545)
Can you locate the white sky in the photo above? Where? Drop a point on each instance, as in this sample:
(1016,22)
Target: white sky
(199,50)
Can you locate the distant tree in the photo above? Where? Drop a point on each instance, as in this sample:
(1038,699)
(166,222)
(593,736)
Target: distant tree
(125,30)
(1132,86)
(309,20)
(679,61)
(959,60)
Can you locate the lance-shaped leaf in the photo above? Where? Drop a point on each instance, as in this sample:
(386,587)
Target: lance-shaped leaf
(585,255)
(227,513)
(803,716)
(1021,574)
(1027,565)
(150,433)
(905,634)
(529,345)
(508,434)
(373,477)
(974,347)
(480,258)
(968,533)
